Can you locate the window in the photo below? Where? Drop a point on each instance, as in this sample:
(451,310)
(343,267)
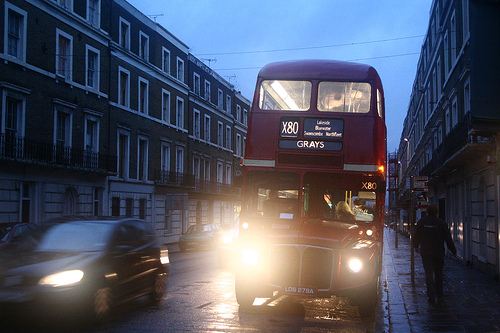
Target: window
(245,116)
(206,170)
(197,124)
(115,206)
(454,112)
(180,70)
(196,167)
(15,32)
(220,99)
(228,174)
(238,113)
(67,4)
(97,201)
(465,19)
(453,37)
(220,172)
(92,68)
(64,55)
(143,46)
(91,142)
(124,87)
(179,160)
(143,96)
(165,157)
(124,34)
(129,207)
(180,113)
(142,208)
(344,97)
(206,129)
(220,134)
(228,104)
(238,145)
(63,128)
(196,84)
(207,91)
(447,120)
(446,46)
(123,154)
(142,159)
(165,60)
(467,96)
(285,95)
(228,137)
(165,106)
(94,12)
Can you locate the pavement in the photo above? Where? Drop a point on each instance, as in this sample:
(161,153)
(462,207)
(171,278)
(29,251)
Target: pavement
(471,298)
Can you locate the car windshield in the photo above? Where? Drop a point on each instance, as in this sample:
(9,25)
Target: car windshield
(195,229)
(75,237)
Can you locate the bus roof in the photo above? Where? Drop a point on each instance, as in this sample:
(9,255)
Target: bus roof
(319,70)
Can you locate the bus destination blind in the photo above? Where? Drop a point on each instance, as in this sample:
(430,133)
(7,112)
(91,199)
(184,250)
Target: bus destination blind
(316,129)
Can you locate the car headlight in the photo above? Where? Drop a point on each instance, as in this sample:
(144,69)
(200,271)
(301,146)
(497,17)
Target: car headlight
(249,257)
(355,265)
(227,239)
(64,278)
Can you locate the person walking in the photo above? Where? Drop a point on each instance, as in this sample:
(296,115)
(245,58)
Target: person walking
(429,237)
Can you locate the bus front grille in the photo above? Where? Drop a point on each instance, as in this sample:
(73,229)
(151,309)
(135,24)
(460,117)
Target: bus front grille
(301,265)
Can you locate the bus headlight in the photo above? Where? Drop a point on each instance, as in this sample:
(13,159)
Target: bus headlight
(369,232)
(249,257)
(355,265)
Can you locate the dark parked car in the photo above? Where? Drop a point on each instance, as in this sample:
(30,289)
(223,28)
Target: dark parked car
(201,236)
(82,266)
(11,231)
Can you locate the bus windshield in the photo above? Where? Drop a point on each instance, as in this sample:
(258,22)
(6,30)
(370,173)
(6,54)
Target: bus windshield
(273,194)
(285,95)
(344,97)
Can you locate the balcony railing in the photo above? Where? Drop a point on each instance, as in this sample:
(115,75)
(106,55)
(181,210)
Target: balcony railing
(36,152)
(175,179)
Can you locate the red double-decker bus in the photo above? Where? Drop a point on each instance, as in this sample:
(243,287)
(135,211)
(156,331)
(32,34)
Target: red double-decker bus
(313,184)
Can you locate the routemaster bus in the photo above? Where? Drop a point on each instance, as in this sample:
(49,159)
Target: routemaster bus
(313,184)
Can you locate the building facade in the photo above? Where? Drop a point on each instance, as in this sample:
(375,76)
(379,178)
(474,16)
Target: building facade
(105,112)
(451,131)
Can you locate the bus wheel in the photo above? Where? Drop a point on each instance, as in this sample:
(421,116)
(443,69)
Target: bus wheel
(245,294)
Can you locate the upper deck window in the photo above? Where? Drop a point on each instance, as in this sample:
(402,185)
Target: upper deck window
(344,97)
(285,95)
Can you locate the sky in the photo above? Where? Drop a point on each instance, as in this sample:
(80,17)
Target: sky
(238,37)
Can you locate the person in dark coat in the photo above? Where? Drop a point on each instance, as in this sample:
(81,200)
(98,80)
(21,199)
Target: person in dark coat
(429,237)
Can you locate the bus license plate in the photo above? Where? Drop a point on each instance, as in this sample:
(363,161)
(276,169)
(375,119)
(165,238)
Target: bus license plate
(300,290)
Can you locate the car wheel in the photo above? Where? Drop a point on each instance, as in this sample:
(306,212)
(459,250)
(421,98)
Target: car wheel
(102,303)
(159,287)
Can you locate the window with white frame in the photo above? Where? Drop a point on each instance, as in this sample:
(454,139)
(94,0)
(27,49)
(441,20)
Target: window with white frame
(467,96)
(94,12)
(196,84)
(123,87)
(165,106)
(179,118)
(438,81)
(91,141)
(465,19)
(206,169)
(228,104)
(228,137)
(124,34)
(220,99)
(446,47)
(453,37)
(63,119)
(179,160)
(454,112)
(197,124)
(13,114)
(165,60)
(206,128)
(123,152)
(229,174)
(238,145)
(207,91)
(15,32)
(197,167)
(92,66)
(143,46)
(142,158)
(245,116)
(220,134)
(67,4)
(220,172)
(447,119)
(165,157)
(180,69)
(143,95)
(64,55)
(238,113)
